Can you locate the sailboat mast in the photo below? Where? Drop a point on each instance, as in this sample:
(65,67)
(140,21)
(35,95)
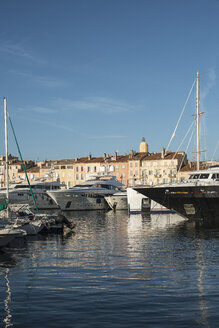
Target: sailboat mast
(197,119)
(6,151)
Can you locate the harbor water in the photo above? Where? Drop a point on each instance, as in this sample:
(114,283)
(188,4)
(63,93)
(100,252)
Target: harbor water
(115,271)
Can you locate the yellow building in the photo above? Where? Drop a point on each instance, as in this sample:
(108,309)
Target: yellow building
(158,168)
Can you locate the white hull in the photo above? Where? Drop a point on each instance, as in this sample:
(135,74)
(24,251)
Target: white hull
(42,199)
(157,208)
(137,202)
(79,202)
(117,201)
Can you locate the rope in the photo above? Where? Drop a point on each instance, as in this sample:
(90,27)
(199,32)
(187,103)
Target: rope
(174,132)
(186,150)
(23,163)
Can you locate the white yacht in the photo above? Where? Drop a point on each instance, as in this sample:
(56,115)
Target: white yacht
(118,201)
(20,194)
(137,202)
(88,195)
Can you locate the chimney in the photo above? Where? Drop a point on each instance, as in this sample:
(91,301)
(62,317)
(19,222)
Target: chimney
(104,156)
(116,154)
(89,157)
(131,153)
(163,153)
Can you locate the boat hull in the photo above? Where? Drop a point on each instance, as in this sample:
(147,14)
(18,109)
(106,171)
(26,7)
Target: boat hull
(157,208)
(79,202)
(195,203)
(42,199)
(117,202)
(137,202)
(7,235)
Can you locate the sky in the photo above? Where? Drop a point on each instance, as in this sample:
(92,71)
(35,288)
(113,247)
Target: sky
(95,76)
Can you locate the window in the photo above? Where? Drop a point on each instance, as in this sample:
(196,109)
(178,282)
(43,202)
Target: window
(130,164)
(76,176)
(63,174)
(88,169)
(82,176)
(70,167)
(63,167)
(136,164)
(204,176)
(95,169)
(76,168)
(131,172)
(123,166)
(82,168)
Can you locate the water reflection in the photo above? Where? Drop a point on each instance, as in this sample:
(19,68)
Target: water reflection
(6,262)
(121,270)
(8,317)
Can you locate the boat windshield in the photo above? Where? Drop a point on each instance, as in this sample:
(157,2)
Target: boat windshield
(215,176)
(199,176)
(204,176)
(194,176)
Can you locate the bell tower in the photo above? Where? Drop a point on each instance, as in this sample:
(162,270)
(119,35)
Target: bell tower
(143,148)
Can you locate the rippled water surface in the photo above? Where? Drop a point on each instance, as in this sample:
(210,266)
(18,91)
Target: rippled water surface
(115,271)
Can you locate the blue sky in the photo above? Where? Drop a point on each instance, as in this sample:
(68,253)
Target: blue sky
(95,76)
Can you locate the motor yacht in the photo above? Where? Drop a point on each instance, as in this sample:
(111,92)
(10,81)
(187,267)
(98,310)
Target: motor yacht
(196,199)
(20,194)
(88,195)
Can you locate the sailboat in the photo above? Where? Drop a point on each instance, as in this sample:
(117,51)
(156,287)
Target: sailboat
(8,232)
(26,220)
(196,199)
(16,225)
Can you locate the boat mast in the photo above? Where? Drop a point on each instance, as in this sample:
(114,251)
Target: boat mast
(197,119)
(6,151)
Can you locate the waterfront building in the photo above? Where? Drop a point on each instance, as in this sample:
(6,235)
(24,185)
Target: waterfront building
(119,167)
(131,169)
(134,167)
(64,171)
(159,168)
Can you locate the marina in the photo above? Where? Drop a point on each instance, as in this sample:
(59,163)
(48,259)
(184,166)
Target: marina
(109,164)
(115,271)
